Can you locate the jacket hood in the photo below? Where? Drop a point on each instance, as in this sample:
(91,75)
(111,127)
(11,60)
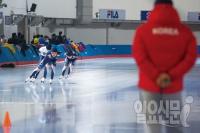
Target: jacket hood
(164,14)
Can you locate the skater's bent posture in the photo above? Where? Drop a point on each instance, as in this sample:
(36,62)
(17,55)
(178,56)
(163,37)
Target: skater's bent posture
(43,52)
(69,61)
(49,61)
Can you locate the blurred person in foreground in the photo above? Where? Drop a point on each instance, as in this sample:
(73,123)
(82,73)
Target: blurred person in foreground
(164,50)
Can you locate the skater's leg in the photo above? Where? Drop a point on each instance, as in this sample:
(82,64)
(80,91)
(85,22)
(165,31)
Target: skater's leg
(64,70)
(74,61)
(33,75)
(41,65)
(70,67)
(52,72)
(45,72)
(37,70)
(36,75)
(69,70)
(65,67)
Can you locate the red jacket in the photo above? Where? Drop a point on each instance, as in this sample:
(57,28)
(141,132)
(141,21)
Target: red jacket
(163,44)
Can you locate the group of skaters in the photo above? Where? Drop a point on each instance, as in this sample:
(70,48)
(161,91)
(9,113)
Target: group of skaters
(48,59)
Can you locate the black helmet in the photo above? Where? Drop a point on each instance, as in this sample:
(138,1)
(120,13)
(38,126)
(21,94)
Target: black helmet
(48,46)
(54,50)
(164,2)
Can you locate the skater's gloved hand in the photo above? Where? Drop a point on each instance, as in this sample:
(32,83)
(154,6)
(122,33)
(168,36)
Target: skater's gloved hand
(163,80)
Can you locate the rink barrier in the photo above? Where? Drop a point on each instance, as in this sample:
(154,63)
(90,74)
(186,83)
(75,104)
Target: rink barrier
(91,52)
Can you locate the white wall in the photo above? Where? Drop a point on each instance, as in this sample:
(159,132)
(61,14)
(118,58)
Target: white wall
(118,36)
(55,8)
(17,6)
(95,35)
(98,35)
(134,7)
(49,32)
(32,32)
(197,35)
(67,8)
(185,6)
(46,8)
(8,30)
(88,35)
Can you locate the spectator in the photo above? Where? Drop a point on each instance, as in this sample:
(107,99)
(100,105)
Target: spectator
(75,47)
(53,39)
(34,45)
(21,39)
(60,39)
(13,39)
(36,41)
(22,44)
(165,50)
(10,47)
(41,40)
(46,40)
(81,46)
(64,38)
(2,38)
(67,41)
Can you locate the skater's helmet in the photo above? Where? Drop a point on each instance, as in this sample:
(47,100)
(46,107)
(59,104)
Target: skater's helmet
(48,46)
(55,52)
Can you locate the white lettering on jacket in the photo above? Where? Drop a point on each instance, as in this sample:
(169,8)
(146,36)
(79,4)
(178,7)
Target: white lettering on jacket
(165,31)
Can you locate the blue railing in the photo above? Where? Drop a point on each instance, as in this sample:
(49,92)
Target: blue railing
(6,56)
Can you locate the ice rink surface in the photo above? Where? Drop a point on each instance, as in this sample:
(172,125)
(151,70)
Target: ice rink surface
(97,98)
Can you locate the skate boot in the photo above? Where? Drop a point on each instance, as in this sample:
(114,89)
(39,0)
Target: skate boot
(50,81)
(42,80)
(32,80)
(28,79)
